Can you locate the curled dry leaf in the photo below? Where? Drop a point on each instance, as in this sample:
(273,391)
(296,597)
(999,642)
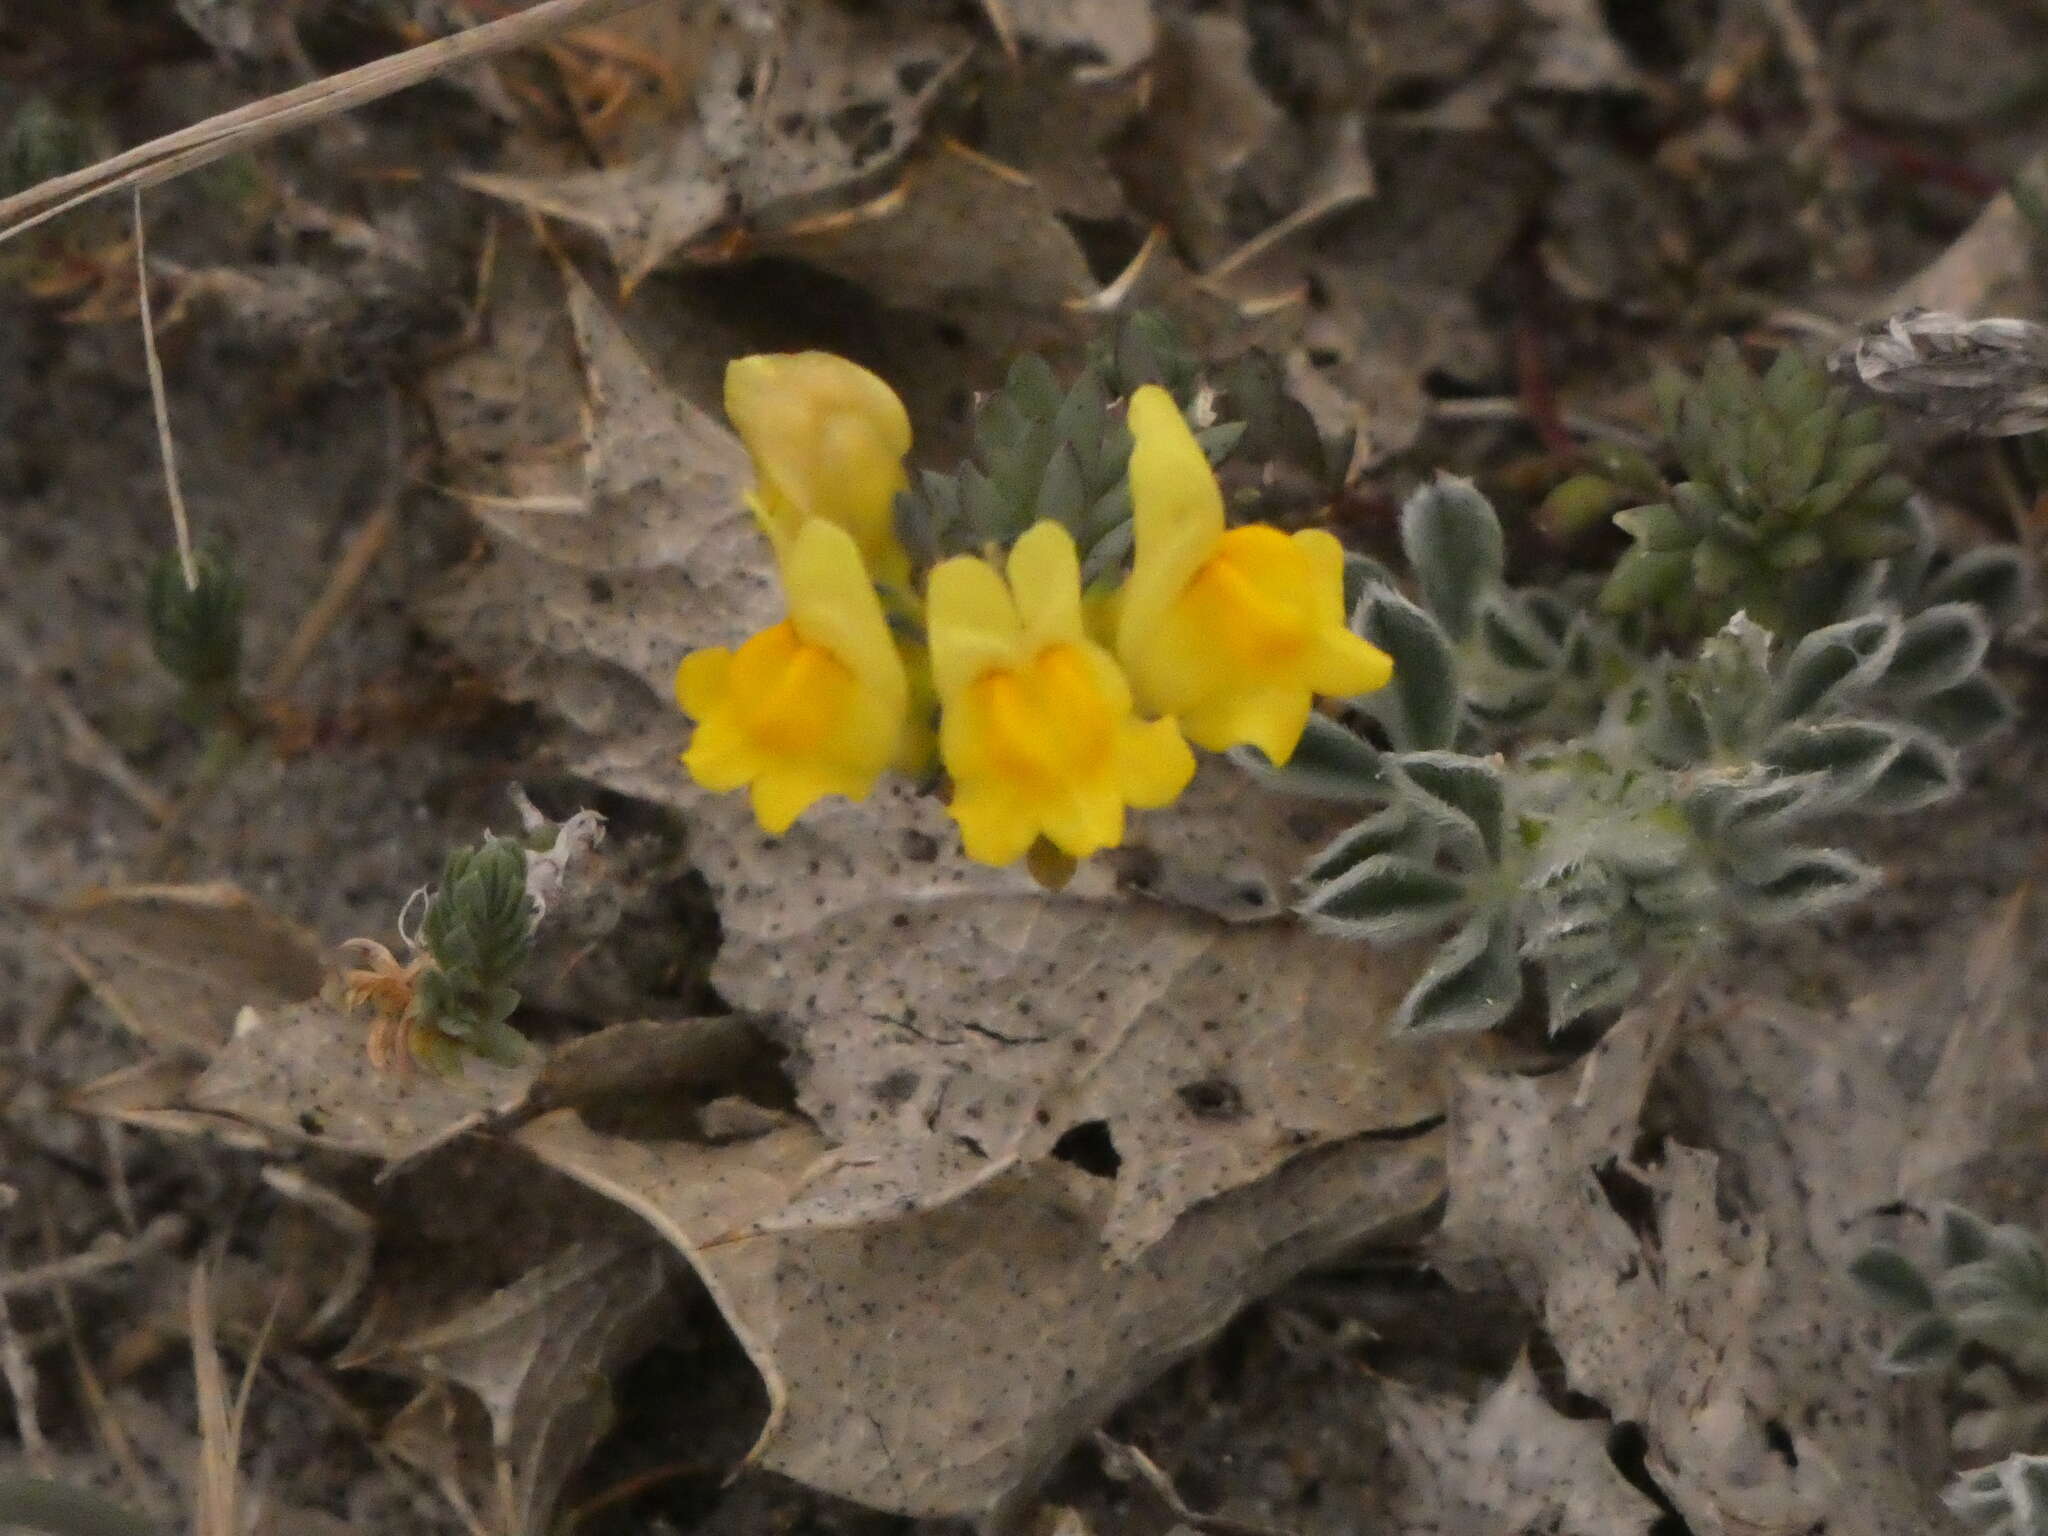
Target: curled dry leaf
(1727,1338)
(1509,1463)
(538,1356)
(301,1074)
(1099,37)
(935,1363)
(959,236)
(776,130)
(175,963)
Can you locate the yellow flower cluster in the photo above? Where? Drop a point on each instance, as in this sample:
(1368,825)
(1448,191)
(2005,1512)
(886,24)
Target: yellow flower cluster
(1053,716)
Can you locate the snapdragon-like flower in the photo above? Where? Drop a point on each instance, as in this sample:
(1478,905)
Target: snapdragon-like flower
(827,439)
(1036,726)
(1232,631)
(816,705)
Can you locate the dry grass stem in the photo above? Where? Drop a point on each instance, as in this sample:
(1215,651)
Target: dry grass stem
(181,525)
(163,1232)
(229,132)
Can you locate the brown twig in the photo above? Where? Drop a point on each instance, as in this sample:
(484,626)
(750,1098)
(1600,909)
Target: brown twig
(181,525)
(1126,1463)
(164,1232)
(229,132)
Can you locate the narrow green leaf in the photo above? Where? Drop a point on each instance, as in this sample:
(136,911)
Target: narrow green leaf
(1927,1344)
(1892,1278)
(1472,788)
(1422,705)
(1993,579)
(1473,983)
(1966,715)
(1386,899)
(1331,762)
(1453,541)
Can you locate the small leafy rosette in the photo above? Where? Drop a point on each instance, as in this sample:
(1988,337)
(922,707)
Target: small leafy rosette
(827,439)
(816,705)
(1233,631)
(1036,725)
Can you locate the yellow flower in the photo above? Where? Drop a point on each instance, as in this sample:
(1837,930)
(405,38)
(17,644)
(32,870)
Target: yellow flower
(827,439)
(1231,631)
(1035,721)
(817,705)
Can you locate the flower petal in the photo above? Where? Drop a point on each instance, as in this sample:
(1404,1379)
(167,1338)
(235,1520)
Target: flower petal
(971,624)
(832,603)
(1325,560)
(1344,665)
(994,827)
(702,681)
(786,790)
(1045,577)
(1153,763)
(1177,511)
(1086,821)
(1271,719)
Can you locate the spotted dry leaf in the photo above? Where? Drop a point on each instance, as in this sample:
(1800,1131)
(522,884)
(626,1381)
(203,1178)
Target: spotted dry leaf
(301,1074)
(175,963)
(780,125)
(938,1363)
(537,1355)
(1511,1462)
(1734,1340)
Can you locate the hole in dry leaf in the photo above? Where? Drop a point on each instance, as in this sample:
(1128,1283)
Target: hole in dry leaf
(1633,1200)
(1090,1148)
(1779,1439)
(1213,1098)
(1627,1448)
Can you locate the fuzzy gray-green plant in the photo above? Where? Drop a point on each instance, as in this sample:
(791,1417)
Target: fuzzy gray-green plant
(2007,1498)
(1787,497)
(1046,453)
(478,929)
(1989,1288)
(1546,796)
(195,630)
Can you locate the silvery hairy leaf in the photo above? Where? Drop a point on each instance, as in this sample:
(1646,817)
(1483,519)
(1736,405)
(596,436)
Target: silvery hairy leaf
(1452,538)
(1983,378)
(1473,983)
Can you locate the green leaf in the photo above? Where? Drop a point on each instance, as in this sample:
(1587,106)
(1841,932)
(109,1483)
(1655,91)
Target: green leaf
(1331,762)
(1851,753)
(1473,983)
(1800,882)
(1966,715)
(1386,899)
(1892,1278)
(1643,578)
(1938,648)
(1394,830)
(1512,638)
(1658,527)
(1923,772)
(1833,663)
(1965,1237)
(1927,1344)
(1577,990)
(1469,788)
(1422,705)
(1993,579)
(1452,538)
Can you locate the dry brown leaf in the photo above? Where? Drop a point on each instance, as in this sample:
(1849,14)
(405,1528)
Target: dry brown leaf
(1100,37)
(778,127)
(937,1363)
(1989,270)
(1509,1463)
(538,1356)
(961,236)
(1574,51)
(1737,1342)
(302,1074)
(175,962)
